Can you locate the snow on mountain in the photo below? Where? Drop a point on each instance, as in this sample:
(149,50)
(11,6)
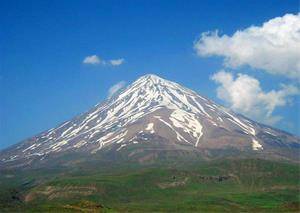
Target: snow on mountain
(149,110)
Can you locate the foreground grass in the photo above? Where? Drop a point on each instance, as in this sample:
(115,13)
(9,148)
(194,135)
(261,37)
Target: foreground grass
(220,186)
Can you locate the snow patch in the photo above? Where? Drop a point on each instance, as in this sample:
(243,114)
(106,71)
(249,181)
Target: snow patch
(256,145)
(150,127)
(56,146)
(123,145)
(80,144)
(188,122)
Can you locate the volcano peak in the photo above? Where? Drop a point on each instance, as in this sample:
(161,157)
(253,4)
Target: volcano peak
(154,112)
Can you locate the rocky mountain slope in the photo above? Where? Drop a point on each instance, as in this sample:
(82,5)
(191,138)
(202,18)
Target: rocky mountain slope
(155,114)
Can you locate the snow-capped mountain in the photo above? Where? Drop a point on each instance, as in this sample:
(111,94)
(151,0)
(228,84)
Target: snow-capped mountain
(156,111)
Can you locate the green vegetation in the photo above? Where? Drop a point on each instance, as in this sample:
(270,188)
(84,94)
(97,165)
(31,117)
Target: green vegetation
(247,185)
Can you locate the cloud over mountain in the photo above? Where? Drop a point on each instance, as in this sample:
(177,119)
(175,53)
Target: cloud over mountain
(115,88)
(273,47)
(244,94)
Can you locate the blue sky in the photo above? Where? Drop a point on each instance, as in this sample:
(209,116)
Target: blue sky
(43,44)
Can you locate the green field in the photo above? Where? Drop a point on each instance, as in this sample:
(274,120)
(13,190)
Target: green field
(247,185)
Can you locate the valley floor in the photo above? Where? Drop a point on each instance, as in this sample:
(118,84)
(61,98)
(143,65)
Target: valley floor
(220,186)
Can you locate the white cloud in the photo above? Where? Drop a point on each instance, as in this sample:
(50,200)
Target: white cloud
(117,62)
(93,59)
(273,47)
(243,94)
(115,88)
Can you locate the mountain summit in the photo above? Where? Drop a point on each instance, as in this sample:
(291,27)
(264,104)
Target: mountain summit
(150,117)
